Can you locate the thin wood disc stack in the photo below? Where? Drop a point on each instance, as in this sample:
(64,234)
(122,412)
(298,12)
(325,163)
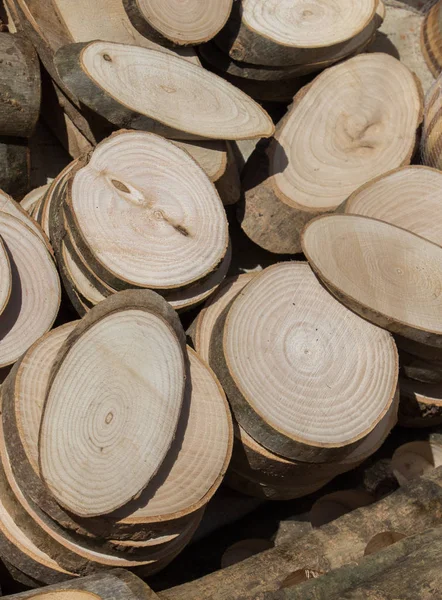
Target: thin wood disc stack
(341,131)
(147,507)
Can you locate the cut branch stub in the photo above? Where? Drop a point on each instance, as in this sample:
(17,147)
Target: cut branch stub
(128,86)
(155,222)
(35,290)
(117,414)
(408,197)
(394,282)
(284,337)
(354,122)
(173,21)
(275,33)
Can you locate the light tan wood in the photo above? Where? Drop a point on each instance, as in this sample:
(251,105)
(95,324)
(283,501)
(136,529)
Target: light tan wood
(116,337)
(5,277)
(416,458)
(11,207)
(431,40)
(408,197)
(211,155)
(334,505)
(392,282)
(33,197)
(342,124)
(209,108)
(283,337)
(431,142)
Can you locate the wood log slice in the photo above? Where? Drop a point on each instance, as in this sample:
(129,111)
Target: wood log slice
(54,199)
(257,350)
(15,166)
(177,23)
(11,207)
(416,458)
(431,141)
(20,88)
(5,277)
(122,236)
(291,33)
(332,506)
(408,197)
(210,108)
(71,469)
(33,197)
(211,155)
(35,291)
(421,403)
(391,283)
(431,40)
(340,150)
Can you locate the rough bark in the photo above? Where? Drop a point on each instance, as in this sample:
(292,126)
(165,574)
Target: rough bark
(15,167)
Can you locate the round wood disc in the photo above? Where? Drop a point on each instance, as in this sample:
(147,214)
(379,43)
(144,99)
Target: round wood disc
(414,459)
(394,281)
(155,222)
(300,367)
(408,197)
(35,293)
(113,405)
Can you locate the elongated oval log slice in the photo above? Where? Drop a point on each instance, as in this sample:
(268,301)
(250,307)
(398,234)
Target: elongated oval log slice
(11,207)
(281,363)
(421,403)
(144,323)
(414,459)
(5,277)
(283,33)
(183,23)
(431,141)
(78,280)
(20,87)
(211,155)
(143,207)
(97,74)
(244,549)
(431,41)
(284,192)
(408,197)
(420,370)
(332,506)
(54,199)
(33,197)
(35,292)
(15,166)
(229,185)
(394,282)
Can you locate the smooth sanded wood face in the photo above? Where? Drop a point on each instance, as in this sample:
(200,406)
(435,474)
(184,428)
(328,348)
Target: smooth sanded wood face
(211,156)
(111,411)
(78,278)
(305,24)
(10,206)
(34,196)
(5,277)
(174,92)
(409,198)
(310,368)
(35,291)
(356,121)
(188,22)
(389,275)
(153,221)
(414,459)
(65,595)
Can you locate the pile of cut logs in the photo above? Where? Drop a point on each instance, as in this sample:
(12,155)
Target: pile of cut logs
(115,433)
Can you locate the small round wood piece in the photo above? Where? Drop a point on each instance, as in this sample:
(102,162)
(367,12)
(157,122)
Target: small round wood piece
(154,222)
(113,404)
(145,89)
(306,378)
(386,274)
(414,459)
(408,197)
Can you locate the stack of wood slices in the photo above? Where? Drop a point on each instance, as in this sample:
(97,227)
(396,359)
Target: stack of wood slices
(114,438)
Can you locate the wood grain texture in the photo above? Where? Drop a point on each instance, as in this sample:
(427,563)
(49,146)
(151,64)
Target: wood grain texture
(431,39)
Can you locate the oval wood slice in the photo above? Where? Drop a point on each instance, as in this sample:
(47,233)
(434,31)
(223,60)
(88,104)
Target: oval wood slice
(282,33)
(172,21)
(421,403)
(130,347)
(209,107)
(35,292)
(284,337)
(33,197)
(11,207)
(431,140)
(211,155)
(341,121)
(408,197)
(5,277)
(139,224)
(431,40)
(415,459)
(388,275)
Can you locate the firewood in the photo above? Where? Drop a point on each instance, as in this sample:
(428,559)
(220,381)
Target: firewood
(283,192)
(416,458)
(407,197)
(420,404)
(92,72)
(33,197)
(20,87)
(378,283)
(332,506)
(432,39)
(172,22)
(412,509)
(279,34)
(247,375)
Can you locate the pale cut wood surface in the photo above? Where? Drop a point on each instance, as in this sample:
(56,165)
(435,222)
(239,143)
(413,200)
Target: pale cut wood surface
(35,292)
(288,355)
(5,277)
(142,208)
(184,23)
(416,458)
(33,197)
(117,81)
(211,155)
(432,127)
(408,197)
(386,274)
(11,207)
(431,40)
(354,122)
